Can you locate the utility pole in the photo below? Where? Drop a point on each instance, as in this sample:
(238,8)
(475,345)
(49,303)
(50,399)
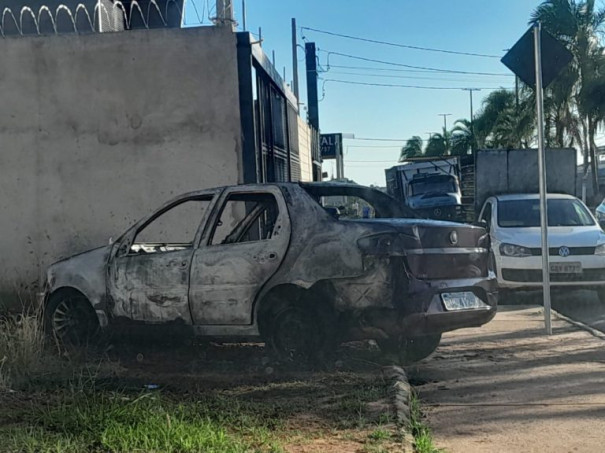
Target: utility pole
(470,91)
(294,60)
(244,15)
(444,115)
(312,99)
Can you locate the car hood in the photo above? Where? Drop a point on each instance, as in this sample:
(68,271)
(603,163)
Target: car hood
(586,236)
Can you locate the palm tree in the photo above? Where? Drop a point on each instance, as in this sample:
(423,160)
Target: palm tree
(438,144)
(412,148)
(578,24)
(506,120)
(463,138)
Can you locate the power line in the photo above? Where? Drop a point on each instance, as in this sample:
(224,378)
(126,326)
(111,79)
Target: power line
(405,46)
(379,139)
(392,63)
(391,76)
(389,85)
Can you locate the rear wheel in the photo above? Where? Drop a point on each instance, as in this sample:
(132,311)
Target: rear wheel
(409,350)
(300,332)
(70,319)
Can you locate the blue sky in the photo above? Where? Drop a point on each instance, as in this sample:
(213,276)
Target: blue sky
(475,26)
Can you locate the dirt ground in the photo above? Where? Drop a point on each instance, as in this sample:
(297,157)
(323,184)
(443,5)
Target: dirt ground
(507,387)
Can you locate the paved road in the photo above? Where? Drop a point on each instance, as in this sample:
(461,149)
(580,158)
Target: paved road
(508,387)
(580,305)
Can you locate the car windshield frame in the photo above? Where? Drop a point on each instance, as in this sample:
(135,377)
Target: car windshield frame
(506,208)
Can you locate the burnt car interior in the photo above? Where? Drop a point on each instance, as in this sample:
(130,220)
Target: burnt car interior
(173,228)
(245,218)
(379,203)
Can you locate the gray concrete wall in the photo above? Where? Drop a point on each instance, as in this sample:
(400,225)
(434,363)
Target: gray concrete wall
(98,130)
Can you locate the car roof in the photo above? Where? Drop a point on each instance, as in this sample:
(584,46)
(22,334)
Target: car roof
(534,196)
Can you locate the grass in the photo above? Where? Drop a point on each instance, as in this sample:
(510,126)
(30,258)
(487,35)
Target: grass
(21,349)
(423,439)
(150,422)
(51,402)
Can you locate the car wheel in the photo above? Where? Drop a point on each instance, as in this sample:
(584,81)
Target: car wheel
(410,350)
(70,319)
(299,334)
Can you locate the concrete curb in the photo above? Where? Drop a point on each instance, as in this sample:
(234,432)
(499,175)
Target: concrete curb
(594,332)
(400,393)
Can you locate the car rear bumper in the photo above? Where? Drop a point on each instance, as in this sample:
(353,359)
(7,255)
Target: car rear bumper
(423,311)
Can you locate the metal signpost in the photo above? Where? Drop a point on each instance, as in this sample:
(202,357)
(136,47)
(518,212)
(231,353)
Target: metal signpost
(526,59)
(542,180)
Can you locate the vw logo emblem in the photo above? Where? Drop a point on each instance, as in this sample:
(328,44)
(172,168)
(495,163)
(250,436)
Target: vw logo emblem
(564,251)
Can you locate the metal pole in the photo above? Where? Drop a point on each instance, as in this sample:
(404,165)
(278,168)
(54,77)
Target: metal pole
(244,14)
(542,178)
(294,59)
(444,115)
(312,98)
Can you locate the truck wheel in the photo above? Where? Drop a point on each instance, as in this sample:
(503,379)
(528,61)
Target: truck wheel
(299,332)
(410,350)
(70,319)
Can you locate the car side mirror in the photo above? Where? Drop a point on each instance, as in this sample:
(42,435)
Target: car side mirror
(602,224)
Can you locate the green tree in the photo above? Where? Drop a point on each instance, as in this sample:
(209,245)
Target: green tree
(412,148)
(462,138)
(438,144)
(577,95)
(506,120)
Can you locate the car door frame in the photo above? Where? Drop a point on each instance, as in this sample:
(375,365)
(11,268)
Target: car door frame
(283,225)
(125,241)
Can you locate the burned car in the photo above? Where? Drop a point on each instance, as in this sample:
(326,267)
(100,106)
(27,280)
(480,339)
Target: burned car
(275,263)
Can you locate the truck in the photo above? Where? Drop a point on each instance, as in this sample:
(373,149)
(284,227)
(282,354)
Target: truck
(428,186)
(514,171)
(476,177)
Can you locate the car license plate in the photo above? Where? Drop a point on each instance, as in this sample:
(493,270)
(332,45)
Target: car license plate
(565,268)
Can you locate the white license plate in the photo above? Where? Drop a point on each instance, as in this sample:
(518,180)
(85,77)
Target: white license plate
(565,268)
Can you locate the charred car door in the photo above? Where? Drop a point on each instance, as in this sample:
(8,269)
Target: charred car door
(149,274)
(244,246)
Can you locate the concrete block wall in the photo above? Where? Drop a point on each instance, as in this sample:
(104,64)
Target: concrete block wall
(98,130)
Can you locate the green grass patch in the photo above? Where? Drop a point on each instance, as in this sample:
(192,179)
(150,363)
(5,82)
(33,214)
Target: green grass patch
(115,422)
(423,439)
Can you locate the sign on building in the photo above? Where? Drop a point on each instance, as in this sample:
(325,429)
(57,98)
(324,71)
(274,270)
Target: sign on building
(331,145)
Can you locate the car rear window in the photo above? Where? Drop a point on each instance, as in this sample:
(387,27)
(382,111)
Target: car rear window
(526,213)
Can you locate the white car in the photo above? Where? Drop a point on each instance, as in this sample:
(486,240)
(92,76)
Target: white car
(576,242)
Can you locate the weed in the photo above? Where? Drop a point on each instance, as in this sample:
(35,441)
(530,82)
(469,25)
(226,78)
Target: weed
(21,349)
(423,440)
(379,434)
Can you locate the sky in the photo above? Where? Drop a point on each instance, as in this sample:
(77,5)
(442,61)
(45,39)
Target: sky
(392,114)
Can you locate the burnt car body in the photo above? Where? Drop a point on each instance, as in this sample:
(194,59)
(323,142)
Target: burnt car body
(270,261)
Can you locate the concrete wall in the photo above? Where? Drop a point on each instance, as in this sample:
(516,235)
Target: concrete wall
(97,130)
(304,149)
